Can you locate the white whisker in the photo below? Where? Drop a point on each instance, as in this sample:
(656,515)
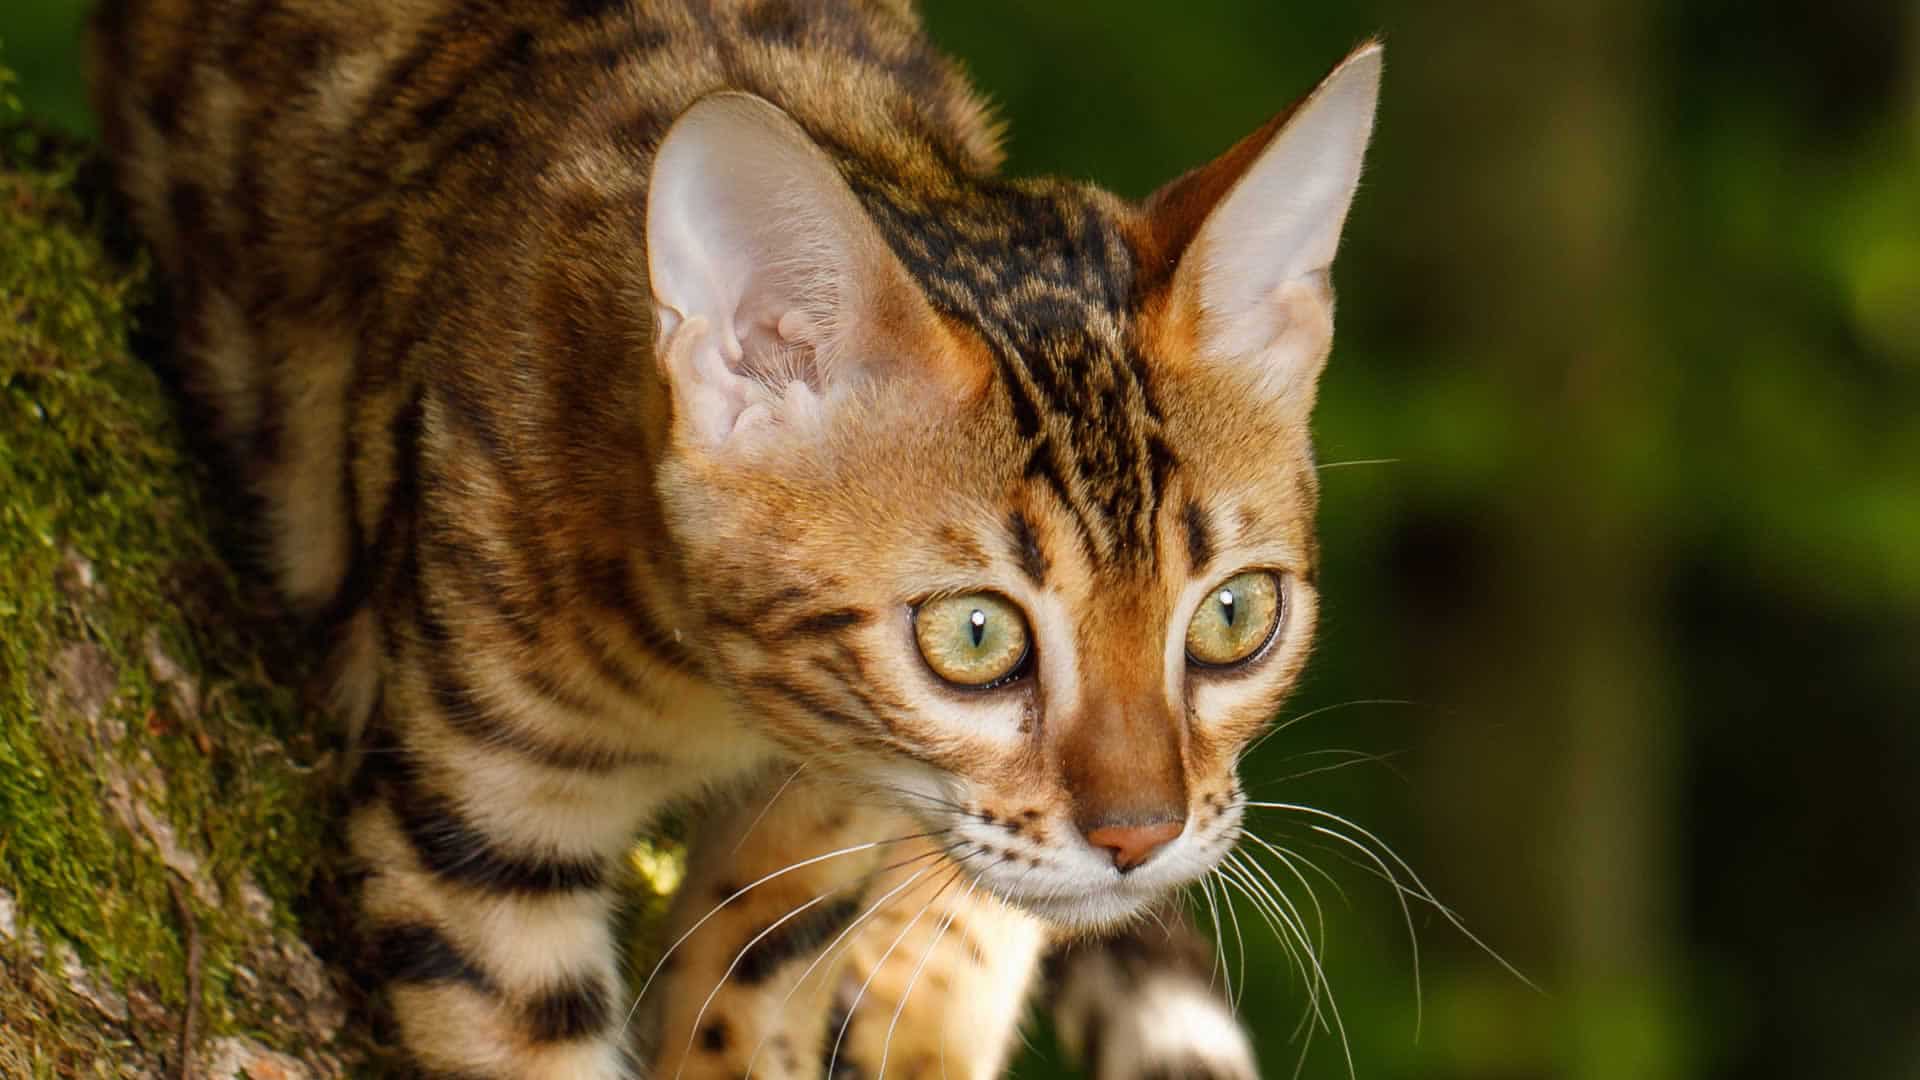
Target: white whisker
(1288,928)
(694,1029)
(1213,919)
(717,908)
(1319,913)
(1313,866)
(1317,981)
(1406,913)
(1357,461)
(1350,759)
(886,1045)
(1320,973)
(762,815)
(834,1058)
(1240,942)
(863,918)
(1283,936)
(1311,713)
(1422,892)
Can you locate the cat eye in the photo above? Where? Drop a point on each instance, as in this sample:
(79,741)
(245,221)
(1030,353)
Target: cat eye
(978,640)
(1235,619)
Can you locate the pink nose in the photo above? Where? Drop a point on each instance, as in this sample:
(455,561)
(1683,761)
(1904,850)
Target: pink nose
(1131,845)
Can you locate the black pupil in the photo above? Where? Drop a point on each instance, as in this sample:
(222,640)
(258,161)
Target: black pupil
(1227,605)
(977,626)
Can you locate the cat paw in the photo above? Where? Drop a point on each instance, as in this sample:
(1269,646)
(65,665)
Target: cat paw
(1169,1028)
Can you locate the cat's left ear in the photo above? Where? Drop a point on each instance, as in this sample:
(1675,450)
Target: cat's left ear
(1252,234)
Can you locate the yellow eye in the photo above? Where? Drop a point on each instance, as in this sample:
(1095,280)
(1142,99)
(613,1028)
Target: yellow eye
(1235,619)
(976,640)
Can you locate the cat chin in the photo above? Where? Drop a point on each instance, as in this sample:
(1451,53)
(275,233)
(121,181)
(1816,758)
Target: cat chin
(1097,913)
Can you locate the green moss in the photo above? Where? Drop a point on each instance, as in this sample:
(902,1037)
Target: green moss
(106,564)
(45,1034)
(153,747)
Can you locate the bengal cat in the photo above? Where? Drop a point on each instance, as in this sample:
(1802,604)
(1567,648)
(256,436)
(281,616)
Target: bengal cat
(665,403)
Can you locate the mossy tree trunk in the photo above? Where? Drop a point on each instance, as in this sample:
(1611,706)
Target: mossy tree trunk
(170,878)
(163,799)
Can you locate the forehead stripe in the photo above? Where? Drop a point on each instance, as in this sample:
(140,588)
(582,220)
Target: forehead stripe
(1026,549)
(1199,535)
(1042,272)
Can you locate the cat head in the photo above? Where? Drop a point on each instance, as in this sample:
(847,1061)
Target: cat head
(998,497)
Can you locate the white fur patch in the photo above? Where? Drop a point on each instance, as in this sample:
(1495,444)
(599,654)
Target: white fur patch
(1170,1024)
(1175,1021)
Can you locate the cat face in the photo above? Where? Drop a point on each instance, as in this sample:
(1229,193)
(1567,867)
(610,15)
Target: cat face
(997,498)
(962,646)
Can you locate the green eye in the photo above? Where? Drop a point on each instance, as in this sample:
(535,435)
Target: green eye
(1235,619)
(976,640)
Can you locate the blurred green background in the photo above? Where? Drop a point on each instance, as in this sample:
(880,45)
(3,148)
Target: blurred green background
(1630,615)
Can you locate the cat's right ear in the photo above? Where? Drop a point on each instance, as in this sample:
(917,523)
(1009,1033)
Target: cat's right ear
(1250,236)
(775,296)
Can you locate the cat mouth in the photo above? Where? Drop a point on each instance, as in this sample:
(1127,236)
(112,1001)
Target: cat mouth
(1078,891)
(1094,911)
(1082,900)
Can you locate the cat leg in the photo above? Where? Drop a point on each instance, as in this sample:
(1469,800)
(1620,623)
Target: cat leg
(776,883)
(872,909)
(937,990)
(489,901)
(1147,1002)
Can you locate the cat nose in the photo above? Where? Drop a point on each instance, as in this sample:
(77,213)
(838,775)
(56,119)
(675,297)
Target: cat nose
(1131,845)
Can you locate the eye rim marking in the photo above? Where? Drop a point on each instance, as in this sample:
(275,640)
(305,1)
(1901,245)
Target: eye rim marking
(1283,610)
(1016,672)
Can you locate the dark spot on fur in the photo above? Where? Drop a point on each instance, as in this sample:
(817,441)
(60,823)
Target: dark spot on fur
(793,939)
(839,1018)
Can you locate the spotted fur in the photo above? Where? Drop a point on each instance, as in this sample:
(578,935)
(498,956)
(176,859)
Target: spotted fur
(408,247)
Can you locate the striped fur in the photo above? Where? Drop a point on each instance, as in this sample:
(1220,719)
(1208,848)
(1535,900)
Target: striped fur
(407,247)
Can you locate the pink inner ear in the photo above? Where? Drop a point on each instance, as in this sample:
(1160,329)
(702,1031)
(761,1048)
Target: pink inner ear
(752,229)
(779,347)
(765,384)
(1301,335)
(708,395)
(1257,268)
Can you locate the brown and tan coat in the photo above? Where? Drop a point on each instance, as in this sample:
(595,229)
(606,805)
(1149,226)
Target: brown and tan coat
(619,378)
